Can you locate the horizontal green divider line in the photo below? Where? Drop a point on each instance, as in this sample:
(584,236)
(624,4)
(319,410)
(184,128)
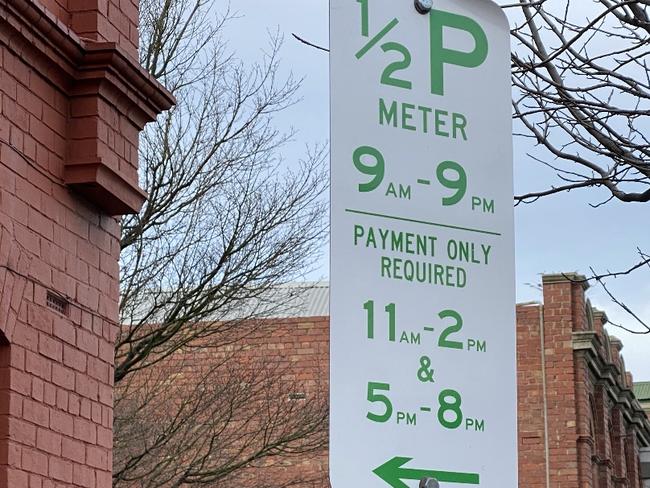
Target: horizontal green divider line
(424,222)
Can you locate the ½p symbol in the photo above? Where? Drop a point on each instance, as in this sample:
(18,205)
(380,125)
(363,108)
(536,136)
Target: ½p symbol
(440,56)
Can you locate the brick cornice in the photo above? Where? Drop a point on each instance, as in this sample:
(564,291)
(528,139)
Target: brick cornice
(573,278)
(586,439)
(45,33)
(106,63)
(607,374)
(84,59)
(605,463)
(88,70)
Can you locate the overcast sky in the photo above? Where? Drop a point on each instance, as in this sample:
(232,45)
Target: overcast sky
(558,234)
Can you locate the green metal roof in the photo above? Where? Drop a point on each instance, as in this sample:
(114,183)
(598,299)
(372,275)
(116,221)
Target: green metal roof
(642,390)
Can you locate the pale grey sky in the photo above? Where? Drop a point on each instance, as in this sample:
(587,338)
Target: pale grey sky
(557,234)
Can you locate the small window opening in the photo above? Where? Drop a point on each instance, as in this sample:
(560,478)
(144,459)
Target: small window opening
(57,303)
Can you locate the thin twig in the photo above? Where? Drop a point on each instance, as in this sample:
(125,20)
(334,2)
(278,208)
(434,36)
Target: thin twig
(310,44)
(626,308)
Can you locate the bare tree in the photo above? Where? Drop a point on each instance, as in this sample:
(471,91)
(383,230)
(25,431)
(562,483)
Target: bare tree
(226,221)
(226,218)
(581,92)
(214,415)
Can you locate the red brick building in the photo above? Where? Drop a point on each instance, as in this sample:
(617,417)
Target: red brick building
(579,422)
(73,100)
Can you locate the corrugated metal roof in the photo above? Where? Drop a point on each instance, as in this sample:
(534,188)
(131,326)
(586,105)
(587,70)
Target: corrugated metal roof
(292,300)
(311,299)
(299,300)
(642,390)
(305,299)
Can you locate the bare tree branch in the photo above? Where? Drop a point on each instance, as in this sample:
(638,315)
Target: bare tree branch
(645,327)
(309,43)
(227,221)
(208,415)
(581,91)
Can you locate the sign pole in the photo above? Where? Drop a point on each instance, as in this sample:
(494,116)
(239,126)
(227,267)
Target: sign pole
(429,483)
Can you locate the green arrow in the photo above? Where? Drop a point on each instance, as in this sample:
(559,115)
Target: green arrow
(393,473)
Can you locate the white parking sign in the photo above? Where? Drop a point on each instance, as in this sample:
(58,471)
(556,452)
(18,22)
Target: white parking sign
(423,377)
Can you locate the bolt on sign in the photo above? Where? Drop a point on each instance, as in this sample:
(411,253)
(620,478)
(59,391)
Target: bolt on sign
(423,378)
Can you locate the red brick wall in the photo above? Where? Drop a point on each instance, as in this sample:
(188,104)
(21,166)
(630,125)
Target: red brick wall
(58,403)
(284,365)
(101,20)
(56,366)
(301,346)
(585,432)
(559,314)
(531,391)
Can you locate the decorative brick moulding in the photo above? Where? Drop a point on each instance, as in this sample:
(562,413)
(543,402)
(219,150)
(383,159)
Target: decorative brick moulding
(111,99)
